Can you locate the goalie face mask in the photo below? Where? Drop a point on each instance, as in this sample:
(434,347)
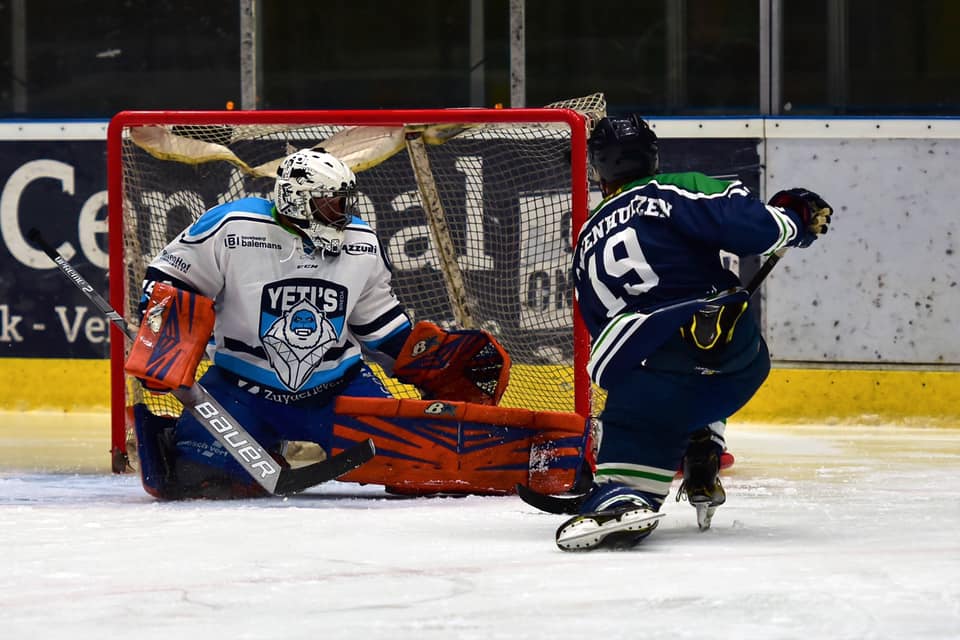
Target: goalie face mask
(318,193)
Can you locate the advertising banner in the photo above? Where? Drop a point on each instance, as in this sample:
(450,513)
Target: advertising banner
(59,187)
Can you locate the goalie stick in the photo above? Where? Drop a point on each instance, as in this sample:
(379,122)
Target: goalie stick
(217,420)
(570,504)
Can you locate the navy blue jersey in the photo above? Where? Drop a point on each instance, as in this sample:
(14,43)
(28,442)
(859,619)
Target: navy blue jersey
(658,240)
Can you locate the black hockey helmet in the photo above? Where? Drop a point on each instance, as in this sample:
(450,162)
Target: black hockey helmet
(621,149)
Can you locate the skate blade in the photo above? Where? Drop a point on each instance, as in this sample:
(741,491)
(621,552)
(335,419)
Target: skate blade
(705,513)
(592,530)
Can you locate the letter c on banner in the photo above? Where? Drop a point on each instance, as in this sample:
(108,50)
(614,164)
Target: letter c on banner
(10,208)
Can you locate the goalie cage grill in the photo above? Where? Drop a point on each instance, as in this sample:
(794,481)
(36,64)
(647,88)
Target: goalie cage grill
(476,209)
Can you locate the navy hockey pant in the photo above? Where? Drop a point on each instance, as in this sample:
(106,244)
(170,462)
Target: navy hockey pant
(268,421)
(649,416)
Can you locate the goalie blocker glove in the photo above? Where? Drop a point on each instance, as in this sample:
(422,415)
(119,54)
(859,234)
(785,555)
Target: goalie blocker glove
(172,338)
(814,212)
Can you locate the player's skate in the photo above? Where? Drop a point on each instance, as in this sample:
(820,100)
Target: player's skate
(701,477)
(614,516)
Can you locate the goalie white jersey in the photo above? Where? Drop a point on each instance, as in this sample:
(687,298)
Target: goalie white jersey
(286,316)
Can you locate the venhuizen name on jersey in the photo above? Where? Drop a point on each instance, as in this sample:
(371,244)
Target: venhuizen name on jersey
(639,205)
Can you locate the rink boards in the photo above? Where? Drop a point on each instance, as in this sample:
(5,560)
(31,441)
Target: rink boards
(790,395)
(861,326)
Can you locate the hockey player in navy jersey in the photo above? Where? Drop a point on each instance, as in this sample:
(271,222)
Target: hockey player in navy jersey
(296,292)
(672,341)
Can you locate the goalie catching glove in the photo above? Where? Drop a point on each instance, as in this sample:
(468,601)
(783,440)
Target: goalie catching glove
(172,338)
(813,210)
(466,365)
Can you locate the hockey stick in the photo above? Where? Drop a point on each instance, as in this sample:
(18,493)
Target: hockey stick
(570,504)
(561,505)
(764,270)
(217,420)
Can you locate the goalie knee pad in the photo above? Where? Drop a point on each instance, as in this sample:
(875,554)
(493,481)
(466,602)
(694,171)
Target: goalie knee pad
(194,480)
(172,338)
(165,475)
(155,451)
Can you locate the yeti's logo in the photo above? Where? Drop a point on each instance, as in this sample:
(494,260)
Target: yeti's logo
(296,342)
(301,323)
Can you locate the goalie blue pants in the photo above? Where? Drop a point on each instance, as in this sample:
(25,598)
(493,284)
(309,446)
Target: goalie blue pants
(268,421)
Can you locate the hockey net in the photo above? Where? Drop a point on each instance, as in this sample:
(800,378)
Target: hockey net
(475,208)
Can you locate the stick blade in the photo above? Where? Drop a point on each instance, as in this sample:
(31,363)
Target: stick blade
(296,480)
(560,505)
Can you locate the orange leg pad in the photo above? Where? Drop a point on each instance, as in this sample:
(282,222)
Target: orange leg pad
(459,447)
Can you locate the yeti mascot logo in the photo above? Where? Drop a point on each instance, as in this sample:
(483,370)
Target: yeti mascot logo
(298,335)
(303,324)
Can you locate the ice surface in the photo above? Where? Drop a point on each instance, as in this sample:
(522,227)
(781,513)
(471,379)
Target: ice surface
(828,532)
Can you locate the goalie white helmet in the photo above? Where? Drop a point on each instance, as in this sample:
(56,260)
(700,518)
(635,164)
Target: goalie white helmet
(318,193)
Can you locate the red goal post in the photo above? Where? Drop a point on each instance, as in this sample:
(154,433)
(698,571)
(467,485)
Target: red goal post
(475,208)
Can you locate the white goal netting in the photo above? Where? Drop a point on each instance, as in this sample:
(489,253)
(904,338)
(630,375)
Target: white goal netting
(475,208)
